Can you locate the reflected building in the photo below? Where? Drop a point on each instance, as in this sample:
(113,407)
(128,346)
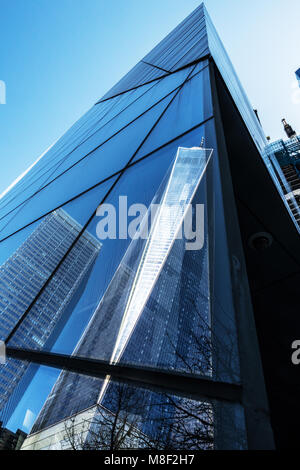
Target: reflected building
(284,159)
(157,297)
(21,278)
(10,440)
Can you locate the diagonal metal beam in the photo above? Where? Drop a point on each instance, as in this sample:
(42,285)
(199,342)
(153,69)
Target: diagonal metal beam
(194,62)
(155,66)
(185,385)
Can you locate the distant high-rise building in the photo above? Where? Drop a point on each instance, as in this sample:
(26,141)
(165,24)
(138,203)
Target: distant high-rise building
(288,129)
(21,278)
(284,159)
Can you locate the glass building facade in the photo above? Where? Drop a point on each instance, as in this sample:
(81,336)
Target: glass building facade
(160,301)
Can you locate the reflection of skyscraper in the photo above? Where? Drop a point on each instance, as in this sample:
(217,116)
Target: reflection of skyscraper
(72,392)
(187,171)
(23,275)
(143,316)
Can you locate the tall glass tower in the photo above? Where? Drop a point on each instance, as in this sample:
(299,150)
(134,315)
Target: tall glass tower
(283,159)
(298,76)
(178,136)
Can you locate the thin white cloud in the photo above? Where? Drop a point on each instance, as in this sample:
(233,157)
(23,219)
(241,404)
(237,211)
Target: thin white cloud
(29,419)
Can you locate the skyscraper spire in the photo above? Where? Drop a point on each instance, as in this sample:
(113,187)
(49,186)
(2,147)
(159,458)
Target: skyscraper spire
(288,129)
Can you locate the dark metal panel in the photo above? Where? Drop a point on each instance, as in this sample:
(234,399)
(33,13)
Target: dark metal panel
(197,388)
(259,431)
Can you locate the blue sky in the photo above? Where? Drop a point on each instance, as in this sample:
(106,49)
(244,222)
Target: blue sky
(59,56)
